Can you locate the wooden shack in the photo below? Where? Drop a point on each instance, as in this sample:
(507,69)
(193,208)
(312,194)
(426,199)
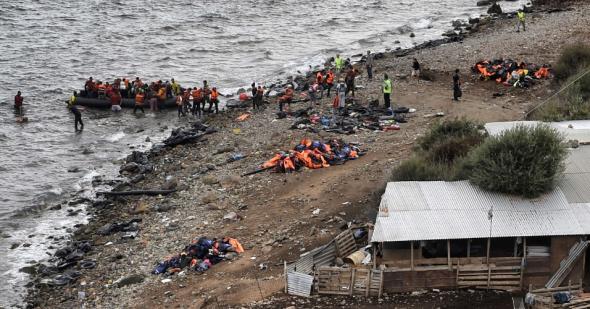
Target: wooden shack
(452,234)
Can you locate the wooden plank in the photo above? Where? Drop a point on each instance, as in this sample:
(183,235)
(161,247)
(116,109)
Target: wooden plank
(381,285)
(449,254)
(353,272)
(412,255)
(368,287)
(485,283)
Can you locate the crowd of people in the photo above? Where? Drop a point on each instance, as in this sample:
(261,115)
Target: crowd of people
(154,94)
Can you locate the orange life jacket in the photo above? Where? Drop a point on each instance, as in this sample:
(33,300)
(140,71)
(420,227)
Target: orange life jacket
(139,99)
(288,164)
(306,142)
(162,94)
(197,96)
(319,78)
(330,77)
(272,162)
(126,82)
(214,94)
(179,100)
(101,87)
(542,73)
(236,245)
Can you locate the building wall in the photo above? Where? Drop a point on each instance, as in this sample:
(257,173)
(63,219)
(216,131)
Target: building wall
(407,281)
(538,270)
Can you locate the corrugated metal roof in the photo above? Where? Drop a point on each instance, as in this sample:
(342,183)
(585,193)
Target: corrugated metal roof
(434,210)
(574,129)
(575,183)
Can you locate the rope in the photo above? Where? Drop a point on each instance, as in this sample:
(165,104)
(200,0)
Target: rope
(555,94)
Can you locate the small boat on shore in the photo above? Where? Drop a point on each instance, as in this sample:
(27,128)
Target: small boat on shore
(127,103)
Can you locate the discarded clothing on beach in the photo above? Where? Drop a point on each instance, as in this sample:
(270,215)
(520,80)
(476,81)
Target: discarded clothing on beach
(200,255)
(511,73)
(312,155)
(184,136)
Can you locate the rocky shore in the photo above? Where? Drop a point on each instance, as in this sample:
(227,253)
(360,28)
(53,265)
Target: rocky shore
(197,190)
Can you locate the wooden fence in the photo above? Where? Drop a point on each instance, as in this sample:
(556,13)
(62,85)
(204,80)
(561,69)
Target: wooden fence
(349,281)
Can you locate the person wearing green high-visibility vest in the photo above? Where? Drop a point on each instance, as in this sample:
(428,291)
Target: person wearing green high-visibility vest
(520,20)
(339,63)
(387,87)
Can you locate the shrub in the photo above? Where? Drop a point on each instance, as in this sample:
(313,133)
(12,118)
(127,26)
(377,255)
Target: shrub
(573,60)
(571,104)
(440,153)
(448,150)
(523,161)
(449,129)
(418,169)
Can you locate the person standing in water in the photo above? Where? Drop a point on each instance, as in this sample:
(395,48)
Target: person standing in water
(139,100)
(18,103)
(74,110)
(457,93)
(116,101)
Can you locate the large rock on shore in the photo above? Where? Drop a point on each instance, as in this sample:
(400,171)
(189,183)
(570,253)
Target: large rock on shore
(128,280)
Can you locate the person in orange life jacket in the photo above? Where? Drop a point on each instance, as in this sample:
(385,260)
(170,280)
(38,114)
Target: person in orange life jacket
(329,81)
(139,99)
(90,88)
(100,88)
(319,79)
(214,99)
(286,98)
(116,101)
(258,97)
(206,94)
(18,103)
(180,105)
(197,98)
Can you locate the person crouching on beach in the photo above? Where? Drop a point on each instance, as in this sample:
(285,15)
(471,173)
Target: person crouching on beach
(415,68)
(286,98)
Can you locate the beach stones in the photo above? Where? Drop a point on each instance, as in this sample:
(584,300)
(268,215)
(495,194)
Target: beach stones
(128,280)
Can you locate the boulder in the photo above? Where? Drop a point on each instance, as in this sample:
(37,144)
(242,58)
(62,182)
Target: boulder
(128,280)
(495,9)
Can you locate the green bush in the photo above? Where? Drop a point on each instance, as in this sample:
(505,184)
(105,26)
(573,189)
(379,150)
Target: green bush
(523,161)
(418,169)
(440,154)
(571,104)
(572,61)
(448,129)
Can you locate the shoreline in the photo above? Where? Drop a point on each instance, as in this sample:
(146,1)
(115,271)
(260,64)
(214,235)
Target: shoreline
(101,209)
